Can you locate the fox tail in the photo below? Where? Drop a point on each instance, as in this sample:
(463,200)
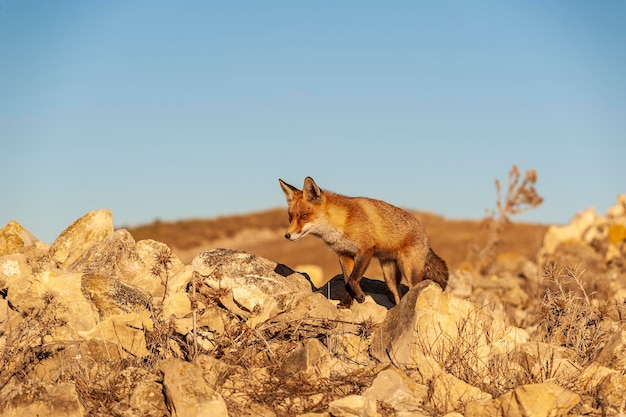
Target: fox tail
(436,269)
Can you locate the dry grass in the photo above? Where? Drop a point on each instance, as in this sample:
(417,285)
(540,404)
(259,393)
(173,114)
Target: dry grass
(568,315)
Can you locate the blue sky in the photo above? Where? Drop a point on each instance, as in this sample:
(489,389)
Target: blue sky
(170,110)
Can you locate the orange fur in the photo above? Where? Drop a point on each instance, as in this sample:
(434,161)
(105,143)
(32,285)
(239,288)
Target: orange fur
(359,228)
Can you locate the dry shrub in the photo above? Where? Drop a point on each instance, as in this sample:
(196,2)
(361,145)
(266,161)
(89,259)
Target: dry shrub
(520,197)
(568,315)
(24,345)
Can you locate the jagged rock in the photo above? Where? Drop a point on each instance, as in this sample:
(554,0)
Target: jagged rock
(353,406)
(139,393)
(537,400)
(29,293)
(91,357)
(12,268)
(574,231)
(40,399)
(188,393)
(617,213)
(545,360)
(258,286)
(460,283)
(613,354)
(314,307)
(74,241)
(14,238)
(125,330)
(408,329)
(310,361)
(398,391)
(610,392)
(111,296)
(114,256)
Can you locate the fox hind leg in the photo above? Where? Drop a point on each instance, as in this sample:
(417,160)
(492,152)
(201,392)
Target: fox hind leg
(393,278)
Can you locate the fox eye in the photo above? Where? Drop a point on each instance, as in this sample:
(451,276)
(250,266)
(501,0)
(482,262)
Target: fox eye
(290,218)
(304,216)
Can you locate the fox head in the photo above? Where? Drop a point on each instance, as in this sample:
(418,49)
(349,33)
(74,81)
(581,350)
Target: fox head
(304,208)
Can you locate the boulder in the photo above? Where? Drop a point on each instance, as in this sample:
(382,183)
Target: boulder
(398,391)
(537,400)
(41,400)
(613,354)
(258,286)
(74,241)
(30,291)
(436,323)
(187,393)
(353,406)
(14,238)
(312,361)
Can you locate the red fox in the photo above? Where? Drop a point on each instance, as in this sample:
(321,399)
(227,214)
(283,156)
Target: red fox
(359,228)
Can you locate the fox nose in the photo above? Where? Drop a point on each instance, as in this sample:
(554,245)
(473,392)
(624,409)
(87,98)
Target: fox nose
(287,236)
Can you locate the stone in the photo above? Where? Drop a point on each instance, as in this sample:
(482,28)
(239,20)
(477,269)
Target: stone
(353,406)
(312,361)
(537,400)
(14,238)
(397,391)
(613,354)
(40,399)
(74,241)
(187,393)
(610,391)
(110,296)
(460,283)
(262,287)
(408,329)
(125,330)
(28,293)
(449,393)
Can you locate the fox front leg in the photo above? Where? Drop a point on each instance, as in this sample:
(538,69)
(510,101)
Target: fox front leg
(347,265)
(353,286)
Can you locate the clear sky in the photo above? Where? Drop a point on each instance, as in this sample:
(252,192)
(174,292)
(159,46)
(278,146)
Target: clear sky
(169,110)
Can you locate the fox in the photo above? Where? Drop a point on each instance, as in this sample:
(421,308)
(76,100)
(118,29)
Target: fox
(358,229)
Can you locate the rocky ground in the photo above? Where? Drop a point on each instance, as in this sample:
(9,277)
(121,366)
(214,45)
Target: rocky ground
(106,322)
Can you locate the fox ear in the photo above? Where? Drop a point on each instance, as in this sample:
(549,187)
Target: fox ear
(288,190)
(311,191)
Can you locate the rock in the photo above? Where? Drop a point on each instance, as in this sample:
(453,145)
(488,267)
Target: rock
(139,393)
(188,393)
(617,213)
(460,283)
(262,287)
(40,399)
(613,354)
(125,330)
(449,393)
(397,391)
(353,406)
(610,392)
(12,268)
(29,293)
(74,241)
(408,329)
(312,361)
(574,231)
(537,400)
(110,296)
(14,238)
